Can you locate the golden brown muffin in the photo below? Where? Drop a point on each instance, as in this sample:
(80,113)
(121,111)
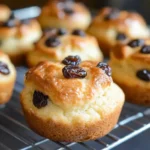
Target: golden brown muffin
(112,25)
(7,78)
(4,13)
(66,14)
(17,37)
(130,62)
(56,44)
(76,102)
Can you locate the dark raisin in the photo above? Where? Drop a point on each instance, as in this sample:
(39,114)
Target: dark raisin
(68,11)
(74,72)
(48,29)
(113,14)
(143,74)
(136,43)
(145,49)
(121,36)
(72,60)
(78,32)
(62,31)
(52,41)
(39,99)
(104,67)
(4,68)
(25,21)
(10,23)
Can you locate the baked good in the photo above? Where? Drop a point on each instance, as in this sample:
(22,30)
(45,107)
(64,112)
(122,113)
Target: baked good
(130,62)
(56,44)
(4,13)
(65,14)
(17,37)
(111,26)
(7,78)
(77,101)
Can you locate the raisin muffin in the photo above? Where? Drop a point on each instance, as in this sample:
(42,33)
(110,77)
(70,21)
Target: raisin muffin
(130,62)
(72,100)
(4,13)
(7,78)
(66,14)
(111,26)
(56,44)
(17,37)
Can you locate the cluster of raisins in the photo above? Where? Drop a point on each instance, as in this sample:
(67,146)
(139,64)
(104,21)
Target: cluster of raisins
(53,40)
(72,70)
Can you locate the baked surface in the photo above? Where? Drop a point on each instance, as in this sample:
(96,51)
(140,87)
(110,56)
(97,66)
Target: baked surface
(77,109)
(126,61)
(18,39)
(76,17)
(5,13)
(84,46)
(6,80)
(111,22)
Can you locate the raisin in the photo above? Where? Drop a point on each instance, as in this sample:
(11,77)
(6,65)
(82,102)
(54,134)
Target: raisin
(62,31)
(74,72)
(25,21)
(4,68)
(104,67)
(121,36)
(39,99)
(78,32)
(113,14)
(145,49)
(10,23)
(136,43)
(72,60)
(68,11)
(143,74)
(52,42)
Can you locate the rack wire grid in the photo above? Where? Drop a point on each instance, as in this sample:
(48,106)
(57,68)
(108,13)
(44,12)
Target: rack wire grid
(15,134)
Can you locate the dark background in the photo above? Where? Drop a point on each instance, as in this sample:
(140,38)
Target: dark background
(141,6)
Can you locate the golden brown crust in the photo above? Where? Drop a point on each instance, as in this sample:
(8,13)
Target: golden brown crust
(70,45)
(7,81)
(129,23)
(71,133)
(126,61)
(17,41)
(53,15)
(48,74)
(5,12)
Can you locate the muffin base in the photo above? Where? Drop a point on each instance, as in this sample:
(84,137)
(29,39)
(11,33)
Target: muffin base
(62,132)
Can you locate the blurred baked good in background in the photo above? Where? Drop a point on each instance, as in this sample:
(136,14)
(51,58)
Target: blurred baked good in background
(56,44)
(112,25)
(18,36)
(65,13)
(7,78)
(130,62)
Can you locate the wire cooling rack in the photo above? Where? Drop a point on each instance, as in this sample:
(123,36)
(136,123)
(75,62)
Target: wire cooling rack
(15,134)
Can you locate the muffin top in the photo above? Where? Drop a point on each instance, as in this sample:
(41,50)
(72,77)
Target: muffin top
(131,24)
(70,85)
